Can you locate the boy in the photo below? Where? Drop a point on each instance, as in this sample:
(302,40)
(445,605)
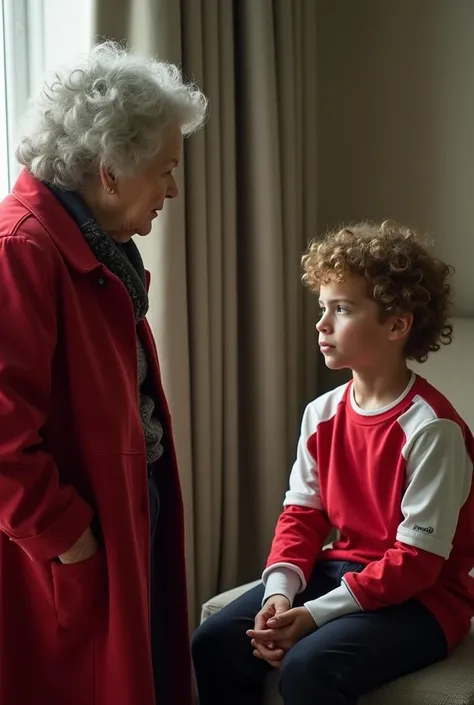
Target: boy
(388,462)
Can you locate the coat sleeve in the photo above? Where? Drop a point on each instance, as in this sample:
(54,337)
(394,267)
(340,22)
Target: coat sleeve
(303,526)
(39,513)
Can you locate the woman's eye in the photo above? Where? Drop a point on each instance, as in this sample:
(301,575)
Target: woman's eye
(342,309)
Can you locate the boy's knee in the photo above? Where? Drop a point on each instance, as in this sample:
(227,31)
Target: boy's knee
(202,639)
(208,639)
(304,674)
(294,673)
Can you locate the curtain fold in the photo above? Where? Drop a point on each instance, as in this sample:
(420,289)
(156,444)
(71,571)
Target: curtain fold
(234,326)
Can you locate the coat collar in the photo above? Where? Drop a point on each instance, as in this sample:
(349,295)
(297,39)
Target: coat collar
(43,205)
(40,201)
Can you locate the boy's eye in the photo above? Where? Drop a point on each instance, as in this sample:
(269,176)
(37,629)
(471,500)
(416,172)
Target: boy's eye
(338,309)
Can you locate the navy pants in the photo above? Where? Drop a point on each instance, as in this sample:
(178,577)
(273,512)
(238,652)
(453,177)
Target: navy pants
(334,665)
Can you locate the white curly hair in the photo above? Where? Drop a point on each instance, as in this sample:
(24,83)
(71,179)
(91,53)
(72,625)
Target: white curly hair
(111,109)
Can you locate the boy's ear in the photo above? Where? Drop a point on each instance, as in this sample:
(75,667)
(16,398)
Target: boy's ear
(400,326)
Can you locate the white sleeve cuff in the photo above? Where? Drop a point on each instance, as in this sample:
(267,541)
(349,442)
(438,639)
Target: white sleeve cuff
(335,603)
(282,581)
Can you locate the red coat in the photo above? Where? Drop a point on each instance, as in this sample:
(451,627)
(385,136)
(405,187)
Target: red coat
(71,447)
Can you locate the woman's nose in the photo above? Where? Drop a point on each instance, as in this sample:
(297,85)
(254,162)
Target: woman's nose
(173,189)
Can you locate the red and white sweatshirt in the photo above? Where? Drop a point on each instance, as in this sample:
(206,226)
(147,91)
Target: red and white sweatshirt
(397,485)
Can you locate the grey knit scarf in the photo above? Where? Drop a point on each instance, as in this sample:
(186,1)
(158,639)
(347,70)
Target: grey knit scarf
(126,263)
(123,260)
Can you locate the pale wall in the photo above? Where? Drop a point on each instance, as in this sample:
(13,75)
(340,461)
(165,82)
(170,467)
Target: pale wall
(396,121)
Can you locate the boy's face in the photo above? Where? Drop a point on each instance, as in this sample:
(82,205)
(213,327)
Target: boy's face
(351,332)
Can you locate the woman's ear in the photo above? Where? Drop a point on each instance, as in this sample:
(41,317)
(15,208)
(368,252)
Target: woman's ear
(107,179)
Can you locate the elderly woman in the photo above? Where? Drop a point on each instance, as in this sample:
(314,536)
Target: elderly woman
(93,594)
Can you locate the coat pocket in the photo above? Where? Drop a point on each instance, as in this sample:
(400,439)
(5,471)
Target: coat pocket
(80,592)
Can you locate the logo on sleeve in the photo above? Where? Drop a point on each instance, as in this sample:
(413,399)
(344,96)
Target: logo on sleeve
(423,529)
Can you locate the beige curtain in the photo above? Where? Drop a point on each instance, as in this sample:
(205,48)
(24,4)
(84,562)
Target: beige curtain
(234,327)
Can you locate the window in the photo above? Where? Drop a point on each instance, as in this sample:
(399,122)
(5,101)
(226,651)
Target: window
(36,36)
(4,181)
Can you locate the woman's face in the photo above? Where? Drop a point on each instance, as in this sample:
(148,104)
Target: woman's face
(137,200)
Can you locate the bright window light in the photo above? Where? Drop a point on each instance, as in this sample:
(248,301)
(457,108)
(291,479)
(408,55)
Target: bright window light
(36,37)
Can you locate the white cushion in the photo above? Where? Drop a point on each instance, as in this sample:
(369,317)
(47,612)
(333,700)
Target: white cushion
(219,601)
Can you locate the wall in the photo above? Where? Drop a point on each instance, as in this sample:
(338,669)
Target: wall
(396,122)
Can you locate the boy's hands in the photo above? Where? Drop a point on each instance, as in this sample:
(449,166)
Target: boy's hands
(282,631)
(275,606)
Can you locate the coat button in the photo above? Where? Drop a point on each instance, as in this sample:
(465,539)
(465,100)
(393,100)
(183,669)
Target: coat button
(102,281)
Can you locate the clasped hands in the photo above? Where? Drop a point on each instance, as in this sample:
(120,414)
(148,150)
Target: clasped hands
(277,628)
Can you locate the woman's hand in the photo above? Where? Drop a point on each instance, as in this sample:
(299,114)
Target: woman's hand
(85,547)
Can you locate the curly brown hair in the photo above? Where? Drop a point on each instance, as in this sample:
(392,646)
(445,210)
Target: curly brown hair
(402,275)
